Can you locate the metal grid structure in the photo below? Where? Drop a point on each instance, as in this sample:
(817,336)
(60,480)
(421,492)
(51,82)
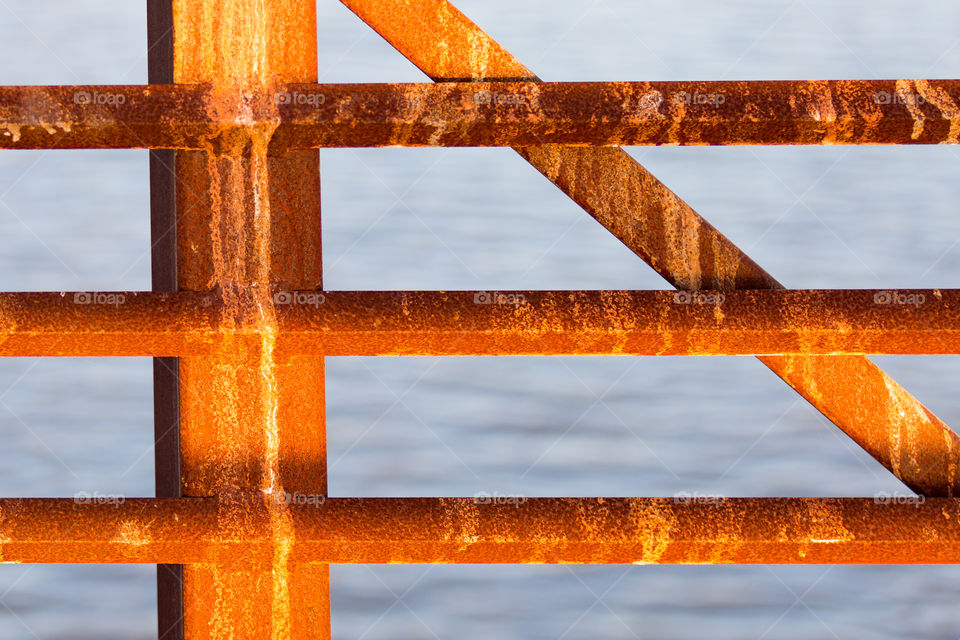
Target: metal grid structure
(234,117)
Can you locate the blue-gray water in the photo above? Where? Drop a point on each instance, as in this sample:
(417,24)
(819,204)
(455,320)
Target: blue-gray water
(483,219)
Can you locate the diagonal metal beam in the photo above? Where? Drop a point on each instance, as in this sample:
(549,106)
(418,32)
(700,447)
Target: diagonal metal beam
(856,395)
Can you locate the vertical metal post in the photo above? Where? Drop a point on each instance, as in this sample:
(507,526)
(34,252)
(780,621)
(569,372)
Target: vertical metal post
(246,224)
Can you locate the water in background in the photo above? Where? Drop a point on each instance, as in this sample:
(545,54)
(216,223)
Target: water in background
(483,219)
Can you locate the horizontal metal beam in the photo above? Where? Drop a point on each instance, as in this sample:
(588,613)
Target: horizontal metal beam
(154,116)
(626,113)
(339,323)
(471,114)
(488,529)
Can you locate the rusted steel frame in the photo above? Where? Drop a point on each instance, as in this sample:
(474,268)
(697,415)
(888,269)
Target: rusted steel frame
(247,220)
(493,114)
(344,323)
(237,530)
(856,395)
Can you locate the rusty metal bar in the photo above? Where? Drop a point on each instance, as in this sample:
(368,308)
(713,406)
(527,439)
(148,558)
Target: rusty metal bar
(248,220)
(239,530)
(621,113)
(105,116)
(657,225)
(472,114)
(340,323)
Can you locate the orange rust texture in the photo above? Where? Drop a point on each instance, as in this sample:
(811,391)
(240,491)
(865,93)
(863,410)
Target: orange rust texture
(622,113)
(484,114)
(111,116)
(240,531)
(250,421)
(348,323)
(876,412)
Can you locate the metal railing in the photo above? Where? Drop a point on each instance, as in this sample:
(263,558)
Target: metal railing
(238,321)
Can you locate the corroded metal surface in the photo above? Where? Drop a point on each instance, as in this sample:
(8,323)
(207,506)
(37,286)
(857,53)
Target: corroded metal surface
(104,116)
(246,220)
(488,114)
(343,323)
(869,406)
(238,531)
(622,113)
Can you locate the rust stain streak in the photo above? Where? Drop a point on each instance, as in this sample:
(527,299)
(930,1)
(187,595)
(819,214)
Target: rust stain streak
(248,225)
